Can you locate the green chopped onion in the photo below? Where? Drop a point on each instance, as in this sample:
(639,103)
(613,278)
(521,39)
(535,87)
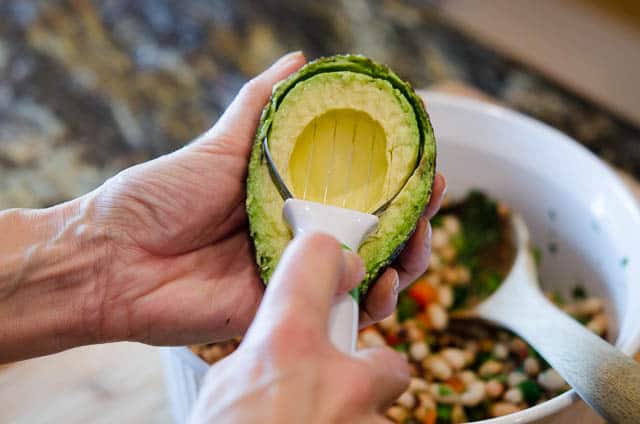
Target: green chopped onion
(531,392)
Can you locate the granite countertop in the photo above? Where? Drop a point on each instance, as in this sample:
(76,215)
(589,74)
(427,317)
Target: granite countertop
(90,87)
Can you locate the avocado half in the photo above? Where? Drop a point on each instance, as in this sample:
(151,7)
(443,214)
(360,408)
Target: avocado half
(357,88)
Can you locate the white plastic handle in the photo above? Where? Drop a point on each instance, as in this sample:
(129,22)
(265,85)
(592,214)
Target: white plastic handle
(351,228)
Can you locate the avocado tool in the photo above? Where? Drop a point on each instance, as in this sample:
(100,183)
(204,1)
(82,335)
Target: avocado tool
(330,207)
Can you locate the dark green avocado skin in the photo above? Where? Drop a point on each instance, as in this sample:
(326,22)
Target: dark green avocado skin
(376,258)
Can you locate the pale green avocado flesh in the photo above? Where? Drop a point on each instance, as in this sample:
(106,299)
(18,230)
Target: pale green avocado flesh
(346,131)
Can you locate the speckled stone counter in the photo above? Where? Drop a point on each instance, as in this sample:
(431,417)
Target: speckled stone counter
(90,87)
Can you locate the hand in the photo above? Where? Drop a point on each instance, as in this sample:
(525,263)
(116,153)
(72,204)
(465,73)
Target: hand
(286,370)
(181,268)
(161,252)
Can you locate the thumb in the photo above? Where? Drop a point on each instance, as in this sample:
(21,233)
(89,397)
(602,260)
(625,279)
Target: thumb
(310,273)
(388,375)
(240,120)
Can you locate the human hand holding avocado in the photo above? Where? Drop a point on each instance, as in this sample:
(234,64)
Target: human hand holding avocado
(286,370)
(161,252)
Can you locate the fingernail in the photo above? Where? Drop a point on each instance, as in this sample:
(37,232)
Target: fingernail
(446,187)
(354,266)
(287,57)
(396,285)
(427,233)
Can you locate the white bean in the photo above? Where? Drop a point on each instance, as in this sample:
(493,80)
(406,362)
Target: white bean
(371,338)
(598,324)
(464,275)
(439,238)
(591,306)
(390,323)
(451,224)
(551,380)
(500,351)
(407,400)
(515,378)
(503,408)
(454,357)
(397,413)
(448,254)
(437,316)
(418,385)
(418,350)
(474,394)
(445,296)
(433,278)
(435,262)
(490,368)
(438,367)
(467,377)
(494,388)
(531,366)
(513,395)
(426,401)
(420,413)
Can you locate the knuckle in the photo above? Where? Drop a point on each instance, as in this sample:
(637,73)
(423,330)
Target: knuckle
(251,87)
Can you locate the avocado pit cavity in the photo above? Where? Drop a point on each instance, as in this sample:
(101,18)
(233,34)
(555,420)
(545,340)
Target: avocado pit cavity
(340,158)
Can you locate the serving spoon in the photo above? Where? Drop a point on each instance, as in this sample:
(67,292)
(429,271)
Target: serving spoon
(604,377)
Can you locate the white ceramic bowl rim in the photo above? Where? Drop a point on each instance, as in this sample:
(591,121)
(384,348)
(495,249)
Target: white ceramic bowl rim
(628,340)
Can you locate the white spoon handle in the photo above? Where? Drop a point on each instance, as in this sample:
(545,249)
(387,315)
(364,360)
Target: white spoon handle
(604,377)
(350,228)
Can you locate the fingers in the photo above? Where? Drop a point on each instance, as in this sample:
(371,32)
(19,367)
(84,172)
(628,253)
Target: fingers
(389,374)
(411,263)
(240,120)
(310,273)
(437,196)
(414,259)
(381,299)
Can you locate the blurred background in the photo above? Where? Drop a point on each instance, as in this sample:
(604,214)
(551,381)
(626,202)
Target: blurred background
(88,88)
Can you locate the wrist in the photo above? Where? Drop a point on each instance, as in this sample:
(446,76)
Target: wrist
(51,267)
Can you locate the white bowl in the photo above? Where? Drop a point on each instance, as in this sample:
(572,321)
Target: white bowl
(570,199)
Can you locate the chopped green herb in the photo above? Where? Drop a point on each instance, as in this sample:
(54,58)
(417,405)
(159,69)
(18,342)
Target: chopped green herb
(624,262)
(530,391)
(483,357)
(444,390)
(553,248)
(478,412)
(407,308)
(460,294)
(488,283)
(480,224)
(502,378)
(402,347)
(443,413)
(437,220)
(578,292)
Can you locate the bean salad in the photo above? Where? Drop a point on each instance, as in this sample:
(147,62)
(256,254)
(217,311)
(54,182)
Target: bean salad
(463,370)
